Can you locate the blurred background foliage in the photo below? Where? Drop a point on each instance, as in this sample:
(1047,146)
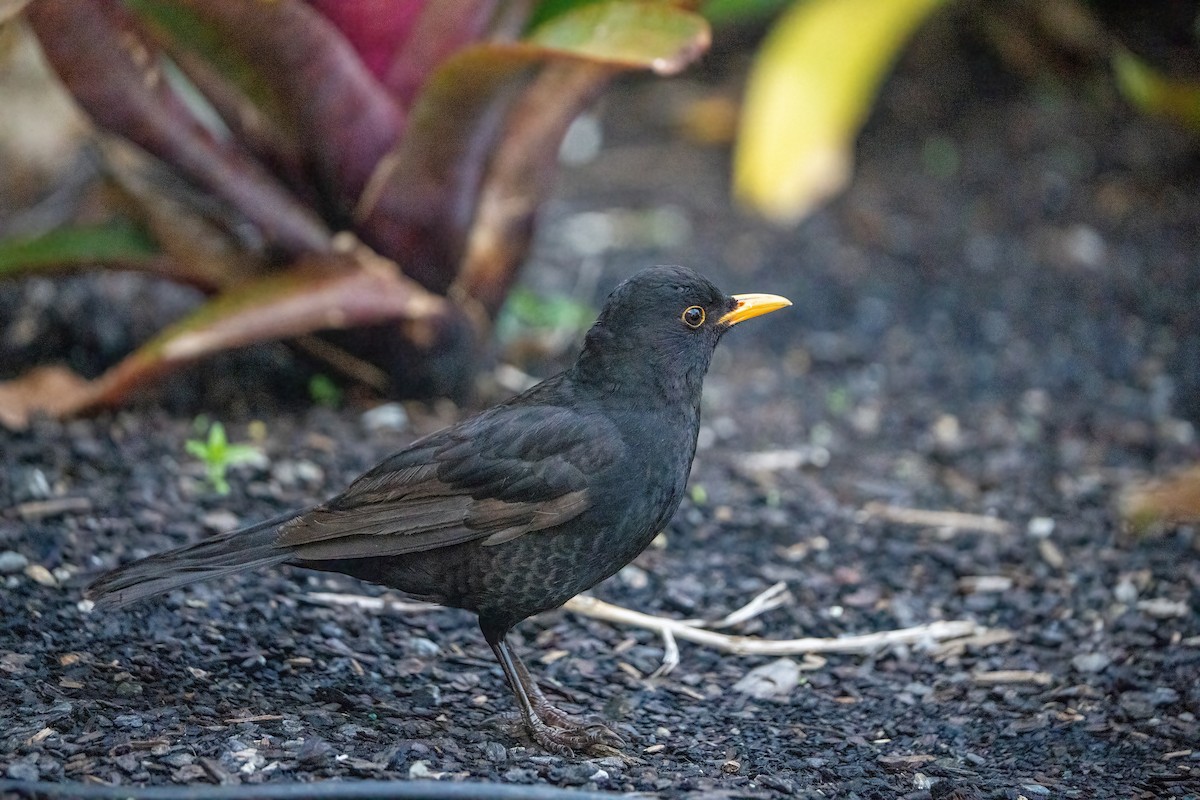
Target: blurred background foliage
(371,171)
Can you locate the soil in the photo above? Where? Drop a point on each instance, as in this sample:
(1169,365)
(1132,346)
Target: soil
(998,318)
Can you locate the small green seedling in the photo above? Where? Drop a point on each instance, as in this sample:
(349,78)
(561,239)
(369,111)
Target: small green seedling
(219,455)
(324,392)
(526,312)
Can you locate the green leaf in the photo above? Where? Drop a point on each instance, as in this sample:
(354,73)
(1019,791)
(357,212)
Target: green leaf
(216,441)
(1155,93)
(196,448)
(812,85)
(324,391)
(111,244)
(641,35)
(240,453)
(548,9)
(733,12)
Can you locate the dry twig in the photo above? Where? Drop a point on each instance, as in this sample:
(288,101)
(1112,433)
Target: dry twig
(699,631)
(752,645)
(952,521)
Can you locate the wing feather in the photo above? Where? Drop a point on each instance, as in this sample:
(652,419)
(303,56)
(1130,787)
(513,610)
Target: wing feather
(499,476)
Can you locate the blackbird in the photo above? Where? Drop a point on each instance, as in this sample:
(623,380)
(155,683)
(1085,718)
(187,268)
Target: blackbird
(515,510)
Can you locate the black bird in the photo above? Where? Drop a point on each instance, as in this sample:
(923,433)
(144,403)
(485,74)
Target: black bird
(518,509)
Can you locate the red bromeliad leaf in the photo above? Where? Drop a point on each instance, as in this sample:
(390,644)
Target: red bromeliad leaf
(10,8)
(377,28)
(112,70)
(483,138)
(442,30)
(319,90)
(520,177)
(419,205)
(328,292)
(198,239)
(589,44)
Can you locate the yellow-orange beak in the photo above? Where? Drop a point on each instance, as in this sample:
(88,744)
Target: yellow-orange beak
(753,305)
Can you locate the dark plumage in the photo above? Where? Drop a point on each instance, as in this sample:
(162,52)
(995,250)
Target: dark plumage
(516,510)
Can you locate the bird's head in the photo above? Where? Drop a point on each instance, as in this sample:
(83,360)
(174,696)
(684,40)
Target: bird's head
(660,327)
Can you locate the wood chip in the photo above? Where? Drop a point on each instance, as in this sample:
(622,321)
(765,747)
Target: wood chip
(984,584)
(41,736)
(1050,553)
(40,509)
(39,574)
(1001,676)
(907,761)
(630,670)
(952,521)
(258,718)
(553,655)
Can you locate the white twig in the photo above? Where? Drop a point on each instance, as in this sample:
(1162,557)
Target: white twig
(947,520)
(773,597)
(671,630)
(753,645)
(388,604)
(670,655)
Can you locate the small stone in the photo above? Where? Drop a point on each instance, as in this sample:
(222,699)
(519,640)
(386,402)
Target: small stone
(314,750)
(128,720)
(299,472)
(387,417)
(495,752)
(39,574)
(598,776)
(1040,527)
(634,577)
(1164,696)
(1126,592)
(1035,789)
(1138,705)
(424,647)
(520,775)
(220,521)
(12,561)
(1091,662)
(419,770)
(572,774)
(775,680)
(22,771)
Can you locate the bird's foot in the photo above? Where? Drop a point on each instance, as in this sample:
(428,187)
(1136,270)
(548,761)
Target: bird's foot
(559,732)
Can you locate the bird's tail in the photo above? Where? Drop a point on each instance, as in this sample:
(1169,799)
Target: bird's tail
(223,554)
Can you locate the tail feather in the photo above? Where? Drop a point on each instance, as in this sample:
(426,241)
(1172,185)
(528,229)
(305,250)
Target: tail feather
(223,554)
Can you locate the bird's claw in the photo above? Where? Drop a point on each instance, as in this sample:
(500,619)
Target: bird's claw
(559,732)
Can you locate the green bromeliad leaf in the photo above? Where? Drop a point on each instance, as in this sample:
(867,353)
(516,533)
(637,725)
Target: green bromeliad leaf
(638,35)
(118,244)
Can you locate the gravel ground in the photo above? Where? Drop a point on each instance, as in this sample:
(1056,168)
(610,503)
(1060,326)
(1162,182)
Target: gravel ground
(999,319)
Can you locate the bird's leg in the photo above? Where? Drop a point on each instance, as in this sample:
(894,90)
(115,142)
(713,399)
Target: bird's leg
(550,727)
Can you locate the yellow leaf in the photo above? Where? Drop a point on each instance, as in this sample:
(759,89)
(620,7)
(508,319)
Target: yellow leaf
(1155,93)
(810,90)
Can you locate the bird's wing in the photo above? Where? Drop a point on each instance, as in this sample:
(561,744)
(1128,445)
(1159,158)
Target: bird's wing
(505,473)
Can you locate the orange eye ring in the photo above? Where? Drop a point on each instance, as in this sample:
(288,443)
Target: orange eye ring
(693,316)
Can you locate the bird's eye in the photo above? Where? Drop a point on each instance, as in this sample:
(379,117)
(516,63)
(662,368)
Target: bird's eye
(693,316)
